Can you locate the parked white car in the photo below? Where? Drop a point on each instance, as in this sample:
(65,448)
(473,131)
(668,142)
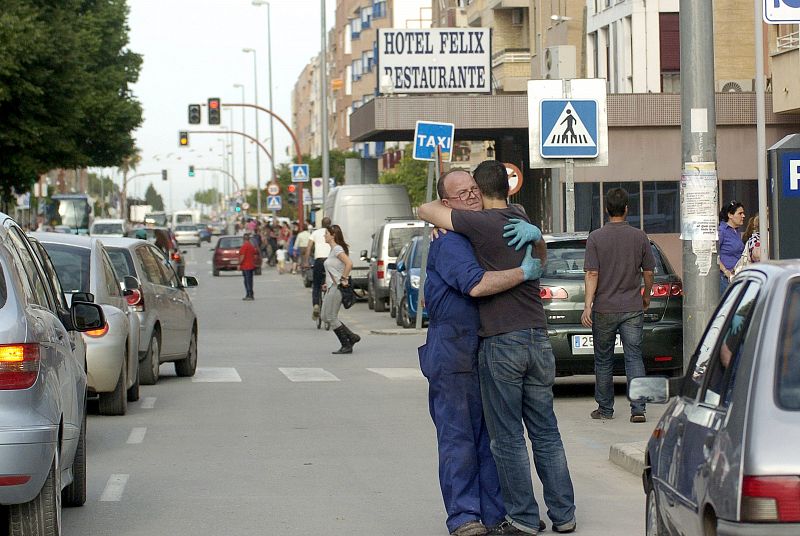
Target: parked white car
(108,227)
(112,352)
(187,234)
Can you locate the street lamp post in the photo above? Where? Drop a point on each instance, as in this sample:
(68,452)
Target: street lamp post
(323,80)
(258,136)
(244,142)
(269,71)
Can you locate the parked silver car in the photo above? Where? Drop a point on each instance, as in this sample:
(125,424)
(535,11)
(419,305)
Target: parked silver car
(723,459)
(168,324)
(42,389)
(112,351)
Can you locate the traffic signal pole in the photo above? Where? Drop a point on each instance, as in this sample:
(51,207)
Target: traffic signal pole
(699,186)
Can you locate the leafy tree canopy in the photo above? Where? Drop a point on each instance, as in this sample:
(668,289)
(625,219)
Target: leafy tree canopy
(413,174)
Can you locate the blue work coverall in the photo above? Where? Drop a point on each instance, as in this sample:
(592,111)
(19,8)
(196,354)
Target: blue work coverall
(449,360)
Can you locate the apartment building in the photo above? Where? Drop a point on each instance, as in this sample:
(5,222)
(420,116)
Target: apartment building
(306,117)
(784,50)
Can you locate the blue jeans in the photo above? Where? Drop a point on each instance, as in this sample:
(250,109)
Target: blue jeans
(248,282)
(517,371)
(605,327)
(723,284)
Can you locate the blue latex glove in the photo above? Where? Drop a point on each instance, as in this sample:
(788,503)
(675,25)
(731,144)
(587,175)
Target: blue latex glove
(521,233)
(531,266)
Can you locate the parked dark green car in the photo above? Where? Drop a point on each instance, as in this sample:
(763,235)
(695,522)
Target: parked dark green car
(562,292)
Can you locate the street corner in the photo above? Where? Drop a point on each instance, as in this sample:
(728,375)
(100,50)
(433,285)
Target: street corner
(629,456)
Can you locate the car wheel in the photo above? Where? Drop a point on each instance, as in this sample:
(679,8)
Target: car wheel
(133,390)
(187,366)
(710,524)
(43,514)
(653,524)
(116,402)
(215,272)
(148,367)
(405,319)
(75,493)
(380,305)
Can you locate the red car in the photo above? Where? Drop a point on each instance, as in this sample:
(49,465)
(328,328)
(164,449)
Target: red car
(226,254)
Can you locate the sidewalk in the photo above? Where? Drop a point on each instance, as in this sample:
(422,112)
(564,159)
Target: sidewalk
(629,456)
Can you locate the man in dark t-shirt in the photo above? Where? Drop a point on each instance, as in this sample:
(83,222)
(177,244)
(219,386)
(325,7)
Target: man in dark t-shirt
(618,257)
(515,360)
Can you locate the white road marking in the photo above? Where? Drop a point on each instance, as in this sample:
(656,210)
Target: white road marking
(216,375)
(298,374)
(137,435)
(148,402)
(115,487)
(399,373)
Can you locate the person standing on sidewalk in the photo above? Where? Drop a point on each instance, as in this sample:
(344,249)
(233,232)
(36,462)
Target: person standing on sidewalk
(449,360)
(516,362)
(320,249)
(337,273)
(247,264)
(617,258)
(300,245)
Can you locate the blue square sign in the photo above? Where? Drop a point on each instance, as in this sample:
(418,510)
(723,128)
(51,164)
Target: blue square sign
(790,172)
(300,173)
(782,11)
(569,128)
(428,136)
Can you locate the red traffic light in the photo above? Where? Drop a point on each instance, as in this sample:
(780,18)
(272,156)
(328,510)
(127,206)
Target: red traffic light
(213,104)
(291,188)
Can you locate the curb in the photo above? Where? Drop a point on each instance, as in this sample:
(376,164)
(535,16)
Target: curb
(629,456)
(397,331)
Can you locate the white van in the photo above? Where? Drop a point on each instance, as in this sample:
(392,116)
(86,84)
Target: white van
(360,210)
(185,217)
(108,227)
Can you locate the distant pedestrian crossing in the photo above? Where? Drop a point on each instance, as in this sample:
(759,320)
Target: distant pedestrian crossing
(306,374)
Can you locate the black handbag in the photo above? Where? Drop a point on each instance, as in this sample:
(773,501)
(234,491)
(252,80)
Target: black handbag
(348,295)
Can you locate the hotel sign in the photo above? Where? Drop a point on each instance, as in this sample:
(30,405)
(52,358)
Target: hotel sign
(435,60)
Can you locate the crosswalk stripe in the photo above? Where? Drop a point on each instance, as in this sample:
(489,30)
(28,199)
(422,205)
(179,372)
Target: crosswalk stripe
(399,373)
(114,489)
(137,435)
(300,374)
(216,375)
(148,402)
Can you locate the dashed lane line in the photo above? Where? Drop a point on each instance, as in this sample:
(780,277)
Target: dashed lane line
(299,374)
(115,487)
(399,373)
(148,402)
(216,375)
(137,435)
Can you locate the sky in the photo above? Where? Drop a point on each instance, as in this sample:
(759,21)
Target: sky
(192,51)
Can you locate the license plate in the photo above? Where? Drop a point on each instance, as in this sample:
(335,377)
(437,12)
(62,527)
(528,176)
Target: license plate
(584,344)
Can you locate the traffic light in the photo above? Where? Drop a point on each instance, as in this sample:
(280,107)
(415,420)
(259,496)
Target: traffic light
(214,111)
(238,207)
(183,138)
(163,174)
(191,171)
(194,114)
(291,188)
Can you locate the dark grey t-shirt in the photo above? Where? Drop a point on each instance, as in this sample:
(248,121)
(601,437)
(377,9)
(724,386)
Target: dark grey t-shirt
(512,310)
(619,253)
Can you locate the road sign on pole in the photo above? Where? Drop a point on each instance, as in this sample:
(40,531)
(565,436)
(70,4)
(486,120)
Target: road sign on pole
(514,178)
(428,136)
(300,173)
(274,202)
(570,127)
(782,11)
(273,188)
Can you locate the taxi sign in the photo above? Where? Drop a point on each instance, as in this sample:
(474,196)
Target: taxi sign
(428,136)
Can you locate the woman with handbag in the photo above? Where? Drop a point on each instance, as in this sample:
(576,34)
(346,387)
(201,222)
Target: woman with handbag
(337,277)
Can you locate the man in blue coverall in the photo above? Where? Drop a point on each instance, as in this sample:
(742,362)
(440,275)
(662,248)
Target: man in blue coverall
(467,472)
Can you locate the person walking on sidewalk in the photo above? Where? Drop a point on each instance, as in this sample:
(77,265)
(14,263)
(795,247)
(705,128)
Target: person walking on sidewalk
(449,360)
(617,258)
(337,273)
(320,249)
(300,245)
(247,264)
(515,360)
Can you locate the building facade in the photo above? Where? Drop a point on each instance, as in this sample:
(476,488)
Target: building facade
(306,116)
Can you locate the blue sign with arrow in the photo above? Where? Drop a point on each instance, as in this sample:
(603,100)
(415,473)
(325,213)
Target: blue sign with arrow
(569,128)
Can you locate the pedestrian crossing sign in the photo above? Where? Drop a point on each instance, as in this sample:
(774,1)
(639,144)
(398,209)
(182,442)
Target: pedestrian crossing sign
(274,202)
(300,173)
(569,128)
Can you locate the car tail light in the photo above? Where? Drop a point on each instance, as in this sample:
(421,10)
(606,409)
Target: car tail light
(676,289)
(662,358)
(97,333)
(14,480)
(662,290)
(553,293)
(381,272)
(771,498)
(134,298)
(19,365)
(176,256)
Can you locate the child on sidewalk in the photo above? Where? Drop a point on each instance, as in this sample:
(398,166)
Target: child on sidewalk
(280,256)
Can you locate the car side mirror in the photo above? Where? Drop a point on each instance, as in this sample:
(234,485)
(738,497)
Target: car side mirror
(391,266)
(401,266)
(189,281)
(83,297)
(130,283)
(86,316)
(650,390)
(364,255)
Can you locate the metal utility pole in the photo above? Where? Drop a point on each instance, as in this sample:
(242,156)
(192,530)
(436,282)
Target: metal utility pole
(761,133)
(699,190)
(323,86)
(258,135)
(244,141)
(271,119)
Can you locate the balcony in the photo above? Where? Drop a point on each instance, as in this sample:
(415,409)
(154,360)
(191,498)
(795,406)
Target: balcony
(511,69)
(785,82)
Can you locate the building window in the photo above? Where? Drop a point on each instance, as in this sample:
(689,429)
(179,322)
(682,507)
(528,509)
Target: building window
(743,191)
(366,16)
(357,69)
(634,212)
(587,194)
(355,25)
(669,42)
(368,60)
(378,9)
(662,212)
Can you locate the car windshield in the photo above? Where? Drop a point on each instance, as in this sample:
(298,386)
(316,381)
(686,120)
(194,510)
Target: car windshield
(788,384)
(399,236)
(180,228)
(106,228)
(183,218)
(565,260)
(72,266)
(231,242)
(121,259)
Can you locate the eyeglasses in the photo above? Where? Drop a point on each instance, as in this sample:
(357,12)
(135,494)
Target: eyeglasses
(463,195)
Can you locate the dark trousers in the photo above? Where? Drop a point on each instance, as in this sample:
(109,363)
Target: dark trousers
(319,280)
(248,282)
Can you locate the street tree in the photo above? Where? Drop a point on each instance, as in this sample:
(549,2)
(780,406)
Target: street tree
(153,198)
(413,174)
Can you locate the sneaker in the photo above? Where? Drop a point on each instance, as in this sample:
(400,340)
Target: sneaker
(597,415)
(507,528)
(470,528)
(639,417)
(315,312)
(566,527)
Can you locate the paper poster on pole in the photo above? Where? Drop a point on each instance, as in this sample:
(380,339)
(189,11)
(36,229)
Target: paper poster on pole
(699,210)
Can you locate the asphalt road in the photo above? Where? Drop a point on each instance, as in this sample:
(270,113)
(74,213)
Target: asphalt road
(277,436)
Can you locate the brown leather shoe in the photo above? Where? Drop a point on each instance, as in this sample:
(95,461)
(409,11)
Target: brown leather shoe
(470,528)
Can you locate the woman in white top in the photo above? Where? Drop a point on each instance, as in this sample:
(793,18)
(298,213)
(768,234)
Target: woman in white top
(337,272)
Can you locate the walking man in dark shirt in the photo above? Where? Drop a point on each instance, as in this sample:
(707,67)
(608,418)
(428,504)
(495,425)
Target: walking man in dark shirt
(618,257)
(516,361)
